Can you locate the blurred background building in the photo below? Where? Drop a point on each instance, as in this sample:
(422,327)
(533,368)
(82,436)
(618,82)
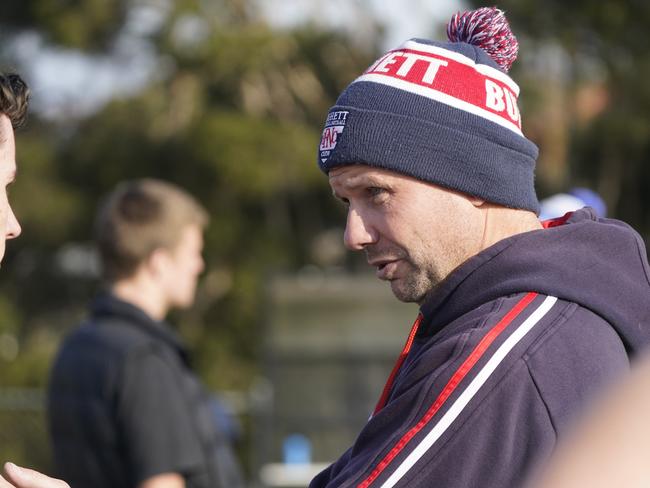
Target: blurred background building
(226,98)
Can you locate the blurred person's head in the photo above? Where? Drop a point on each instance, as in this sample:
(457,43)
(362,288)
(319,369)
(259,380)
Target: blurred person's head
(14,97)
(150,233)
(426,150)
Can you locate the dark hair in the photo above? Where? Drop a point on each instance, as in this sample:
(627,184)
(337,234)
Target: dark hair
(14,98)
(137,218)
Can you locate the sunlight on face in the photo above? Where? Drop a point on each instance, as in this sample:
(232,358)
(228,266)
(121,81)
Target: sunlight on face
(414,233)
(9,227)
(185,264)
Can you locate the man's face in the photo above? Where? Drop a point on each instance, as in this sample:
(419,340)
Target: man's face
(9,226)
(414,233)
(184,264)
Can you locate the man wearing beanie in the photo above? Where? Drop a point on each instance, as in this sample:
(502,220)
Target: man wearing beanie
(521,322)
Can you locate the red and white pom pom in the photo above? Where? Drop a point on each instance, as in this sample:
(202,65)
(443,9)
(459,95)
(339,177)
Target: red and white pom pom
(488,29)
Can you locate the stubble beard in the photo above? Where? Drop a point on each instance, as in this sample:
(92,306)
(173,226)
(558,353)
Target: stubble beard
(427,274)
(416,285)
(417,282)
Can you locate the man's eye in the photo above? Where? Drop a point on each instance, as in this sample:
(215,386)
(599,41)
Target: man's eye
(376,192)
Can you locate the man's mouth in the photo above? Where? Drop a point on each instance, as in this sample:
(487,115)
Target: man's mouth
(386,269)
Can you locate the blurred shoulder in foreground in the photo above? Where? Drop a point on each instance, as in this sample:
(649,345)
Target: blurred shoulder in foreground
(614,437)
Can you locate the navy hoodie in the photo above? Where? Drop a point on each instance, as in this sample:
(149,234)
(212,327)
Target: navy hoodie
(502,358)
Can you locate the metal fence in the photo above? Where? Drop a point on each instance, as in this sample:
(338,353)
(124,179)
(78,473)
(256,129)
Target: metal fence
(23,432)
(330,342)
(329,345)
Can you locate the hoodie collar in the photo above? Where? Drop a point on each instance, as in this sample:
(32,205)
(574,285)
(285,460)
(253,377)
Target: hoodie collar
(449,301)
(600,264)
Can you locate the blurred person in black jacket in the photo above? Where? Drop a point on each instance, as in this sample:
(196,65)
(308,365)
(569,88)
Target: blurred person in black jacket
(125,408)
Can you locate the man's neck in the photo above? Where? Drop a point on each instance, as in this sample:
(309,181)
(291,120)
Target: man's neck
(498,223)
(501,223)
(142,294)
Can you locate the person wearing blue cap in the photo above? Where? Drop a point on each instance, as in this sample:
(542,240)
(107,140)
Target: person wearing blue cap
(559,204)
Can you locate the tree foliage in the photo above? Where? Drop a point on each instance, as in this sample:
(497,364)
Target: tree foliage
(85,24)
(233,114)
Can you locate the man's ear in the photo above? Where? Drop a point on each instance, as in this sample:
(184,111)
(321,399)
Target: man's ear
(157,261)
(476,201)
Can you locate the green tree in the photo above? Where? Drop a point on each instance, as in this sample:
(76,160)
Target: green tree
(233,114)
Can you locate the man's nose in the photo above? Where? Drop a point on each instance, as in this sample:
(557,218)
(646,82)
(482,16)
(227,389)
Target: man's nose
(358,232)
(13,226)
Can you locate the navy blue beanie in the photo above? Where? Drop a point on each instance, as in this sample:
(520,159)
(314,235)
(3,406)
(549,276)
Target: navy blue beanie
(442,112)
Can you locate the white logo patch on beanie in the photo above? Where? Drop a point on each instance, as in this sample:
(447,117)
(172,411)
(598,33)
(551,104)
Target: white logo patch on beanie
(333,129)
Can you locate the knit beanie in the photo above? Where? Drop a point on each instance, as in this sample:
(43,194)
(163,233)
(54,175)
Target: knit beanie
(441,112)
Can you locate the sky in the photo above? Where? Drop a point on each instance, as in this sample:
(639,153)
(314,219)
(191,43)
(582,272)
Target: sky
(403,20)
(67,83)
